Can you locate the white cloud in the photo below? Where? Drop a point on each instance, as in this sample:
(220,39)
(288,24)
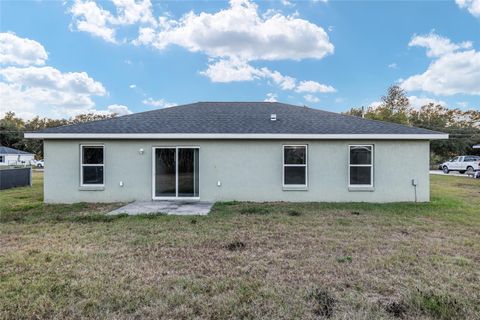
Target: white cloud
(90,17)
(231,38)
(393,66)
(160,103)
(241,32)
(271,97)
(454,70)
(285,82)
(462,104)
(47,91)
(287,3)
(49,78)
(21,51)
(418,102)
(132,11)
(311,98)
(375,104)
(437,45)
(314,87)
(231,70)
(132,86)
(473,6)
(44,90)
(146,35)
(119,109)
(453,73)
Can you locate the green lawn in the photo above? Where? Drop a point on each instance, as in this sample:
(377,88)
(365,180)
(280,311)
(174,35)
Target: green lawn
(244,260)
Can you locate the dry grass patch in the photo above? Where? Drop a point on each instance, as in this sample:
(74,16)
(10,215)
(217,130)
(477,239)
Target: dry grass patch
(410,261)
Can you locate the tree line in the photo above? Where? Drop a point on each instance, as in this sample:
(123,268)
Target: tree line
(463,127)
(12,129)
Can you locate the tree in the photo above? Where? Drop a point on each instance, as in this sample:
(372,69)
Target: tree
(12,129)
(395,107)
(463,127)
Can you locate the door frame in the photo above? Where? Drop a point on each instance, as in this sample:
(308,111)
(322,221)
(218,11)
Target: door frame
(176,147)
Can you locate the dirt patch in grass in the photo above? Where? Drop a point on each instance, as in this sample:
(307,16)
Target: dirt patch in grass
(398,309)
(294,213)
(255,210)
(235,246)
(324,302)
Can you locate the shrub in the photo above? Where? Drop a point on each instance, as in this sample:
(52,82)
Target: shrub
(344,259)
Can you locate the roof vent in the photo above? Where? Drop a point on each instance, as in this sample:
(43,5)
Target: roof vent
(273,117)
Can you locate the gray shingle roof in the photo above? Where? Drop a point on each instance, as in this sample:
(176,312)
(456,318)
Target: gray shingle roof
(7,150)
(239,118)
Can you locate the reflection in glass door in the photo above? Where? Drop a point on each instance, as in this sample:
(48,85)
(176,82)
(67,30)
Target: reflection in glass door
(165,185)
(176,172)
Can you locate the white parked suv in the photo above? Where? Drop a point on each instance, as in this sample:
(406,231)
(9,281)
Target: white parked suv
(462,164)
(37,163)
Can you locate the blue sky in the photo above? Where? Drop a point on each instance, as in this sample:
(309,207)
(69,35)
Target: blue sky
(60,59)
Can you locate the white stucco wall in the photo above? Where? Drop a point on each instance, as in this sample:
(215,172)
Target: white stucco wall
(248,170)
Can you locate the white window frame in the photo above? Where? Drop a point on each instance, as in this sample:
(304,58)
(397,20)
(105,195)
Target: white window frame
(295,165)
(91,165)
(371,165)
(154,197)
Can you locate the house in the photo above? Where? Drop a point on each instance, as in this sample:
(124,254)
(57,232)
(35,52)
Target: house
(247,151)
(10,156)
(477,146)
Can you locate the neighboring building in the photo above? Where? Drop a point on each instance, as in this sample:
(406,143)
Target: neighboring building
(477,146)
(10,156)
(247,151)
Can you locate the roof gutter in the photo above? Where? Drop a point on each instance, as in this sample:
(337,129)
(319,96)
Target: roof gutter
(242,136)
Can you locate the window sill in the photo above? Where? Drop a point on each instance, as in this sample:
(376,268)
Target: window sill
(292,188)
(359,188)
(91,188)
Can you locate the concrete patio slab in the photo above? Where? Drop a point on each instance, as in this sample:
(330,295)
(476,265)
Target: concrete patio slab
(166,207)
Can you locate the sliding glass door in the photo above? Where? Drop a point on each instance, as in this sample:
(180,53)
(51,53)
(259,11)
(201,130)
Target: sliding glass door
(176,172)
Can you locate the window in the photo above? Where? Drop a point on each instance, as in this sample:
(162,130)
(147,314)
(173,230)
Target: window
(295,165)
(92,165)
(360,169)
(2,158)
